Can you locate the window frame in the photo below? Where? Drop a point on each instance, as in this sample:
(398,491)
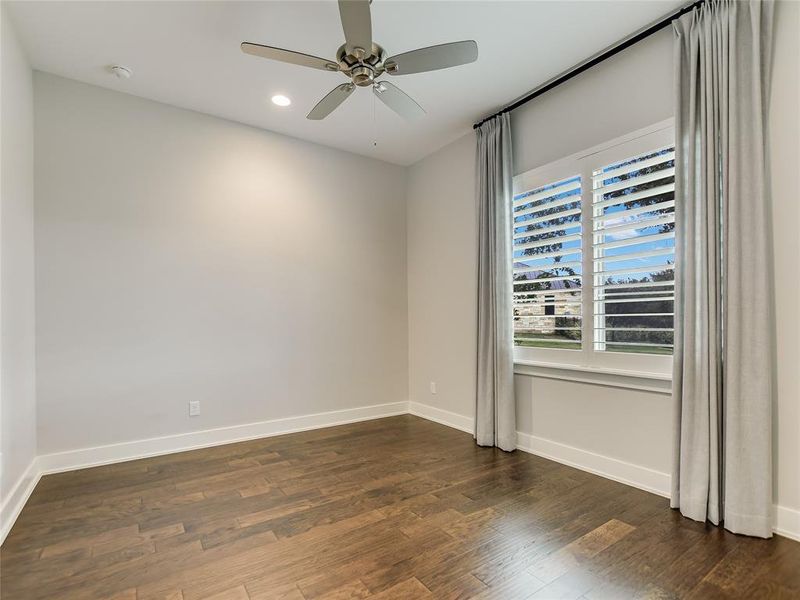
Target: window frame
(583,164)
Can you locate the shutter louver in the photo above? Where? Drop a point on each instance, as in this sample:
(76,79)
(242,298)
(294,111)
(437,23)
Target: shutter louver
(547,266)
(633,242)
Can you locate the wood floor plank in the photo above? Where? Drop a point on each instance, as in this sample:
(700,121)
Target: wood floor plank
(237,593)
(573,554)
(129,594)
(396,508)
(352,590)
(410,589)
(519,586)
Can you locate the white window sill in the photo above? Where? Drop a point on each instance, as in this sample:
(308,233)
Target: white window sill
(660,383)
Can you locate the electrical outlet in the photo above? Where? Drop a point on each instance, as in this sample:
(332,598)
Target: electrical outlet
(194,408)
(433,387)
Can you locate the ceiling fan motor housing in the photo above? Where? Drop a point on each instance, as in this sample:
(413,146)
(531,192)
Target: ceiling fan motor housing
(362,68)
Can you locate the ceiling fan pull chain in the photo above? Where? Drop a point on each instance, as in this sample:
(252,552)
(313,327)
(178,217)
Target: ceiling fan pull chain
(374,125)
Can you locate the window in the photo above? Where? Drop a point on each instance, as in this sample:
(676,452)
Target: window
(547,266)
(634,253)
(594,256)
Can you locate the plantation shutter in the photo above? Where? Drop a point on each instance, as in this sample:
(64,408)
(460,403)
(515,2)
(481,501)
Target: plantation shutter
(547,238)
(633,245)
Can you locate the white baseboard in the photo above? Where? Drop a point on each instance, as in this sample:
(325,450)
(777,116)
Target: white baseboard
(787,520)
(610,468)
(15,500)
(444,417)
(114,453)
(630,474)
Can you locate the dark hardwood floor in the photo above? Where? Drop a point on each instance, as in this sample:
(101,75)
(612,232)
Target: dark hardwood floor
(396,508)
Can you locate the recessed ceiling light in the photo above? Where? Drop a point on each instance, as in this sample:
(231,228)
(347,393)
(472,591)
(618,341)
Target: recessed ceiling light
(281,100)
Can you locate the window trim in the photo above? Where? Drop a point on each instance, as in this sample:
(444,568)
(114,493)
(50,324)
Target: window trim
(587,360)
(658,383)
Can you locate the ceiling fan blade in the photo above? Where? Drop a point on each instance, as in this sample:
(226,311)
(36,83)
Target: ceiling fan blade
(331,101)
(357,24)
(432,58)
(396,99)
(289,56)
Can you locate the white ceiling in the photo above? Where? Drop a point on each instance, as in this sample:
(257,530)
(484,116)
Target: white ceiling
(187,54)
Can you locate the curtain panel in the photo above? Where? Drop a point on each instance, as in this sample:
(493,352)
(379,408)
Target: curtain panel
(495,413)
(723,369)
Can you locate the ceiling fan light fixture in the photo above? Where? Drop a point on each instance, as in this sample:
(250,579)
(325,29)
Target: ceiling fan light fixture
(281,100)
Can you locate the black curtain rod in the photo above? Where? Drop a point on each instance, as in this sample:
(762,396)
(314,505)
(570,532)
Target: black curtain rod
(580,68)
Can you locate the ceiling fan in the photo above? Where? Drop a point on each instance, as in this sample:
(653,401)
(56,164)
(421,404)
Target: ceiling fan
(363,62)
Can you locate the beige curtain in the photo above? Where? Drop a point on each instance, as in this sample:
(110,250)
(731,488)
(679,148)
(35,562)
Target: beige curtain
(495,414)
(722,467)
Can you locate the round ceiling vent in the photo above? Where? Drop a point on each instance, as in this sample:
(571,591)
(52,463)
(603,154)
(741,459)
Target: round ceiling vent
(120,72)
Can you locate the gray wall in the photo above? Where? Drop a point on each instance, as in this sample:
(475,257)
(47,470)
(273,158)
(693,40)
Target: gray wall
(629,425)
(627,92)
(183,257)
(442,272)
(784,151)
(17,324)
